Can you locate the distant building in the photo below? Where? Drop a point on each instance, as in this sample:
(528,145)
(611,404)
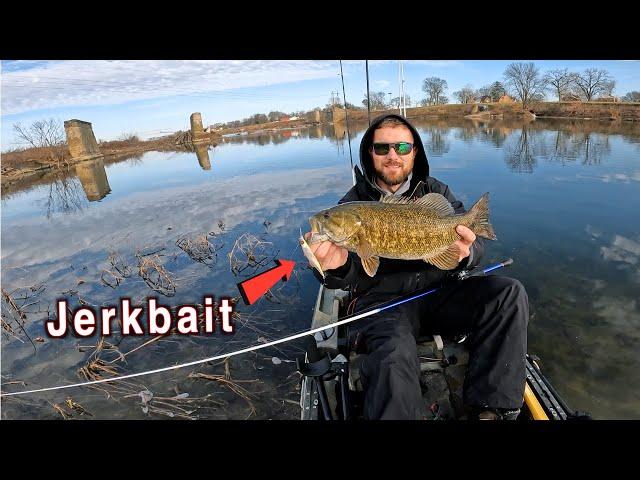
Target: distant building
(506,99)
(485,99)
(293,118)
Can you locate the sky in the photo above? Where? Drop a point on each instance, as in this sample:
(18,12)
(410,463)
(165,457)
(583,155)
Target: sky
(152,98)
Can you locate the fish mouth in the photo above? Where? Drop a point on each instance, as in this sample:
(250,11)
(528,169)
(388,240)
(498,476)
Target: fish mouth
(318,237)
(317,233)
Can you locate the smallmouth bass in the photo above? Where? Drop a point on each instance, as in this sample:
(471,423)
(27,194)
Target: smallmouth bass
(401,228)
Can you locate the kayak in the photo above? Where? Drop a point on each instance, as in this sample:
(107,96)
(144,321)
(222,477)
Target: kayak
(331,387)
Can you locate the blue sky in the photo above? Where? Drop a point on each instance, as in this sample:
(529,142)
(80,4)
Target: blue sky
(155,97)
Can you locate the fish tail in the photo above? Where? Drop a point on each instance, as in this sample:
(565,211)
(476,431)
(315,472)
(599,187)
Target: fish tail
(479,214)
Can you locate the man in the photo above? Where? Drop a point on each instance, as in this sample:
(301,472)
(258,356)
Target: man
(493,310)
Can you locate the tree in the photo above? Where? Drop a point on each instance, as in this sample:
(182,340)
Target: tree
(434,87)
(274,116)
(525,80)
(609,87)
(466,94)
(47,134)
(377,101)
(632,97)
(559,81)
(593,82)
(483,92)
(395,102)
(496,91)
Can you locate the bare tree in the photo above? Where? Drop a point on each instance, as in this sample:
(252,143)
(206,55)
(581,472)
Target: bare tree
(466,94)
(593,82)
(395,101)
(377,101)
(525,80)
(559,81)
(632,97)
(434,88)
(484,91)
(609,87)
(47,134)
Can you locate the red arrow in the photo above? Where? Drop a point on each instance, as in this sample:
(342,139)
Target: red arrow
(252,289)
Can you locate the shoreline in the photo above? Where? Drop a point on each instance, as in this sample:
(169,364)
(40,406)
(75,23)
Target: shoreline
(604,112)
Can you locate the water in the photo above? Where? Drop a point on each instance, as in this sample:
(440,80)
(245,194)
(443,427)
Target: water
(564,202)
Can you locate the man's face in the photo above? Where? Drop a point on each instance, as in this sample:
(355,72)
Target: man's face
(393,169)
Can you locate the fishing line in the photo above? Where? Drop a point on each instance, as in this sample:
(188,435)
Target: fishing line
(348,319)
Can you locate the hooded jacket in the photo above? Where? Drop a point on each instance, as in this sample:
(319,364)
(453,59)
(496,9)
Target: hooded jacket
(395,277)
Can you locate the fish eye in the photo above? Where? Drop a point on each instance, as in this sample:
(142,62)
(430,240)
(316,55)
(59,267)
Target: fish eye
(325,214)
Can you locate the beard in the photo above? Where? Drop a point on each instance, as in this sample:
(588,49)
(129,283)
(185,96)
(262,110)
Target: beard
(397,179)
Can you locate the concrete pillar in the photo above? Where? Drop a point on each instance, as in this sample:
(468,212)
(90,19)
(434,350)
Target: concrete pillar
(196,126)
(338,114)
(317,116)
(93,177)
(202,151)
(81,140)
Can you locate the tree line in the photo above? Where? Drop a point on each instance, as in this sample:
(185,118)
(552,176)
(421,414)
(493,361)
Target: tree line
(526,83)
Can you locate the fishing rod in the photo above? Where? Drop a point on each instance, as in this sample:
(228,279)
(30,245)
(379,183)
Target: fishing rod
(346,117)
(366,63)
(348,319)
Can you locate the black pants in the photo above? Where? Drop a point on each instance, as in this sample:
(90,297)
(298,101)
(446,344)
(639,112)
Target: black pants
(494,310)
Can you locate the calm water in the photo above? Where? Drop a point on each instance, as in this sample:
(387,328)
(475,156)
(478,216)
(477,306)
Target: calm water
(565,197)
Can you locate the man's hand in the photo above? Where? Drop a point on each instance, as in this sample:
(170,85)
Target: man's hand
(328,254)
(464,244)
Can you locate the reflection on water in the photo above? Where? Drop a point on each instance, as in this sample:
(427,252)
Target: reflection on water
(202,151)
(563,195)
(93,178)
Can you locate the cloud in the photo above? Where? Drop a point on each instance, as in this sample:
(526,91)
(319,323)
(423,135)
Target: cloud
(613,177)
(30,86)
(187,208)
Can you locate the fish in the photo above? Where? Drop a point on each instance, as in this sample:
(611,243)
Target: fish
(401,228)
(306,250)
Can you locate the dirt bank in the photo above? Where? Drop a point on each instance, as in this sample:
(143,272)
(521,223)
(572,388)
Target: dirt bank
(584,110)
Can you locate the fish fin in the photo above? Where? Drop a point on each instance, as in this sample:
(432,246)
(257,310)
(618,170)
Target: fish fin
(370,265)
(391,198)
(446,260)
(437,202)
(480,218)
(370,262)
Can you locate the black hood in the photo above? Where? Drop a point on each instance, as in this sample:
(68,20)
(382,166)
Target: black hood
(420,165)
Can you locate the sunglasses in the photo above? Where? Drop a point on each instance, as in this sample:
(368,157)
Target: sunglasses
(401,148)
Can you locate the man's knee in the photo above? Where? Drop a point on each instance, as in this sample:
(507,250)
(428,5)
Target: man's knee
(394,352)
(509,293)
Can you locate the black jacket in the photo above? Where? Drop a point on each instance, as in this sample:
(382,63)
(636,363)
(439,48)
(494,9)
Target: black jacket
(395,277)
